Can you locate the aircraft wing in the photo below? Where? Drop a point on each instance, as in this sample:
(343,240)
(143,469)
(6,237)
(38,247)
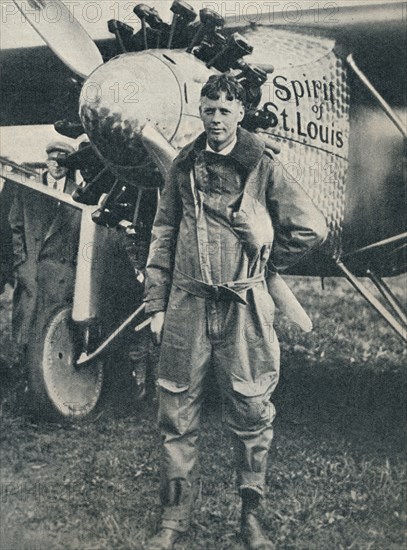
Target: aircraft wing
(34,87)
(37,88)
(347,16)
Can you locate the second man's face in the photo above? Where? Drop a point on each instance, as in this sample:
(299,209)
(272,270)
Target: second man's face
(56,171)
(220,118)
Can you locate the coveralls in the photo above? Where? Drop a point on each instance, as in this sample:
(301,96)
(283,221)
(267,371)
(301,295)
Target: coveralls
(221,222)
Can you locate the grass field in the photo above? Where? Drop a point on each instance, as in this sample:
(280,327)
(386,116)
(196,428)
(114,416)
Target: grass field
(337,470)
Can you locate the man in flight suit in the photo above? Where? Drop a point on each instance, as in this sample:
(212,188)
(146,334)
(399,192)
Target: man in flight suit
(228,216)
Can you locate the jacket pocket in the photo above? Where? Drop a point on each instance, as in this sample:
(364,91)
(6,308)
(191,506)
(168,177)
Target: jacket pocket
(252,223)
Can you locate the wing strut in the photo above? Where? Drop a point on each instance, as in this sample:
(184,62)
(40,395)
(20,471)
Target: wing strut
(396,320)
(380,99)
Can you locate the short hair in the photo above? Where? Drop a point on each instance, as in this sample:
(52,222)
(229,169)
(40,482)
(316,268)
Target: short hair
(226,83)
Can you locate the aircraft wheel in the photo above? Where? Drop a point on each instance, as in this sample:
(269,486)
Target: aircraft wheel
(58,389)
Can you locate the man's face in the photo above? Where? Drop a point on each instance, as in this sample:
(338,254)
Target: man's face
(220,118)
(56,171)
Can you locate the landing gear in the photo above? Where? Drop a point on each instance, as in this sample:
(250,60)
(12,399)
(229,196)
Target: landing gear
(59,389)
(392,312)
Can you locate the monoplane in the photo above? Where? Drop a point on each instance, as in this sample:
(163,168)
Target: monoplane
(325,85)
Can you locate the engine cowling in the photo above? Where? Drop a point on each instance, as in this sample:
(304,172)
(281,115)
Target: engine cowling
(160,88)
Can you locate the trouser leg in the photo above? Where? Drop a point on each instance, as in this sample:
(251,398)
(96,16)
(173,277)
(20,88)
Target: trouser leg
(250,420)
(139,364)
(179,420)
(247,364)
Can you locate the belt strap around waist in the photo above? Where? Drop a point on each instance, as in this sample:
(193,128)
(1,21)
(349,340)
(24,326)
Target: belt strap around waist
(232,290)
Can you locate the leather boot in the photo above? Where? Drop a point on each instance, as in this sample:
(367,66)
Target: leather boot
(250,528)
(165,539)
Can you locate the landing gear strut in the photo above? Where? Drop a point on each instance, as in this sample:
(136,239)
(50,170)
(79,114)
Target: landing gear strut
(393,313)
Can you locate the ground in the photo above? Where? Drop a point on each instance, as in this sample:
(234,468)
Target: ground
(337,469)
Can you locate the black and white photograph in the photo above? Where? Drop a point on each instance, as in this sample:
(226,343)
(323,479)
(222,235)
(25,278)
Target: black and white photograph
(203,290)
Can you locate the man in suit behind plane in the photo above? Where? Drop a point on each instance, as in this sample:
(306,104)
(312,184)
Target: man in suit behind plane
(45,243)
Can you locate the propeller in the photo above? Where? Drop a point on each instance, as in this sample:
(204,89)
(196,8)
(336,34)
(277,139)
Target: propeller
(63,34)
(159,149)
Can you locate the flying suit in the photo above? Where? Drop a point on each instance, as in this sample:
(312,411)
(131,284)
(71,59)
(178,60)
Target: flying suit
(222,222)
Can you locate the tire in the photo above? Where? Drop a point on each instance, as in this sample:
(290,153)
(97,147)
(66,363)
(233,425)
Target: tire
(58,390)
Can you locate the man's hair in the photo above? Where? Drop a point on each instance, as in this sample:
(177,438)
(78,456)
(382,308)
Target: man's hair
(228,84)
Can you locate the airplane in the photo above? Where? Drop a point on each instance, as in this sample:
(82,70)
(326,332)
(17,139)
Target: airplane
(326,85)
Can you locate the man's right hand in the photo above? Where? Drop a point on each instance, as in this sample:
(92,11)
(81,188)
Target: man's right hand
(157,323)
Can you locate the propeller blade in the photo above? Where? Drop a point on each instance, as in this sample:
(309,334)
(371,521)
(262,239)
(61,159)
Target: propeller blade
(162,152)
(287,303)
(63,34)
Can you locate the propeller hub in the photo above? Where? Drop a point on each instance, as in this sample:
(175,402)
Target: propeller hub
(132,90)
(120,98)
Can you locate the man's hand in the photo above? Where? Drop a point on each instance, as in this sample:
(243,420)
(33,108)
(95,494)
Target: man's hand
(157,323)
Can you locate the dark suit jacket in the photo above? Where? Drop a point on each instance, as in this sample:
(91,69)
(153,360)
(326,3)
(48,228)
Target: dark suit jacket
(45,247)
